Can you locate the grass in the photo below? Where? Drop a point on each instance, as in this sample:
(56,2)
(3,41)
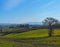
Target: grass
(13,44)
(34,38)
(10,29)
(29,34)
(57,32)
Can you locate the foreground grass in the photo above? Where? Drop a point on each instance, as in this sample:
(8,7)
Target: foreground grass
(32,42)
(35,38)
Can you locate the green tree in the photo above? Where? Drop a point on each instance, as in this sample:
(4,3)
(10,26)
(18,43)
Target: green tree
(49,22)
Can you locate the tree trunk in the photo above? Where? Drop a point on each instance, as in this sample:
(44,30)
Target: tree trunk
(50,30)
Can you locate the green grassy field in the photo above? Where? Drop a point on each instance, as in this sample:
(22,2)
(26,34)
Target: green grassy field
(29,34)
(10,29)
(34,38)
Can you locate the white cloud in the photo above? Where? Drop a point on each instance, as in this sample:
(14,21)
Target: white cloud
(11,4)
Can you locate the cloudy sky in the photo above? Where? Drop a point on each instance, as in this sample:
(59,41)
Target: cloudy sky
(23,11)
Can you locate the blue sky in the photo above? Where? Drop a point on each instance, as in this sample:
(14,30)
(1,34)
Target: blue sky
(23,11)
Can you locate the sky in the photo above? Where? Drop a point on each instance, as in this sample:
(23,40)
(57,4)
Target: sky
(24,11)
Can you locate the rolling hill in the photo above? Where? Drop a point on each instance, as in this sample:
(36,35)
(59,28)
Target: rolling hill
(34,38)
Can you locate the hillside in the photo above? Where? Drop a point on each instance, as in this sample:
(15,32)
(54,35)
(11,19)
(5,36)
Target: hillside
(34,38)
(33,34)
(29,34)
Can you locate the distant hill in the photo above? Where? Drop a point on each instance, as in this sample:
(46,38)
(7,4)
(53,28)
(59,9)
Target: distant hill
(35,23)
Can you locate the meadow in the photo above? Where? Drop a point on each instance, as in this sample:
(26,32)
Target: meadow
(33,38)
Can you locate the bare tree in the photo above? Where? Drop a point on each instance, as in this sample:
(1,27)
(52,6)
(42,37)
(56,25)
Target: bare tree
(49,22)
